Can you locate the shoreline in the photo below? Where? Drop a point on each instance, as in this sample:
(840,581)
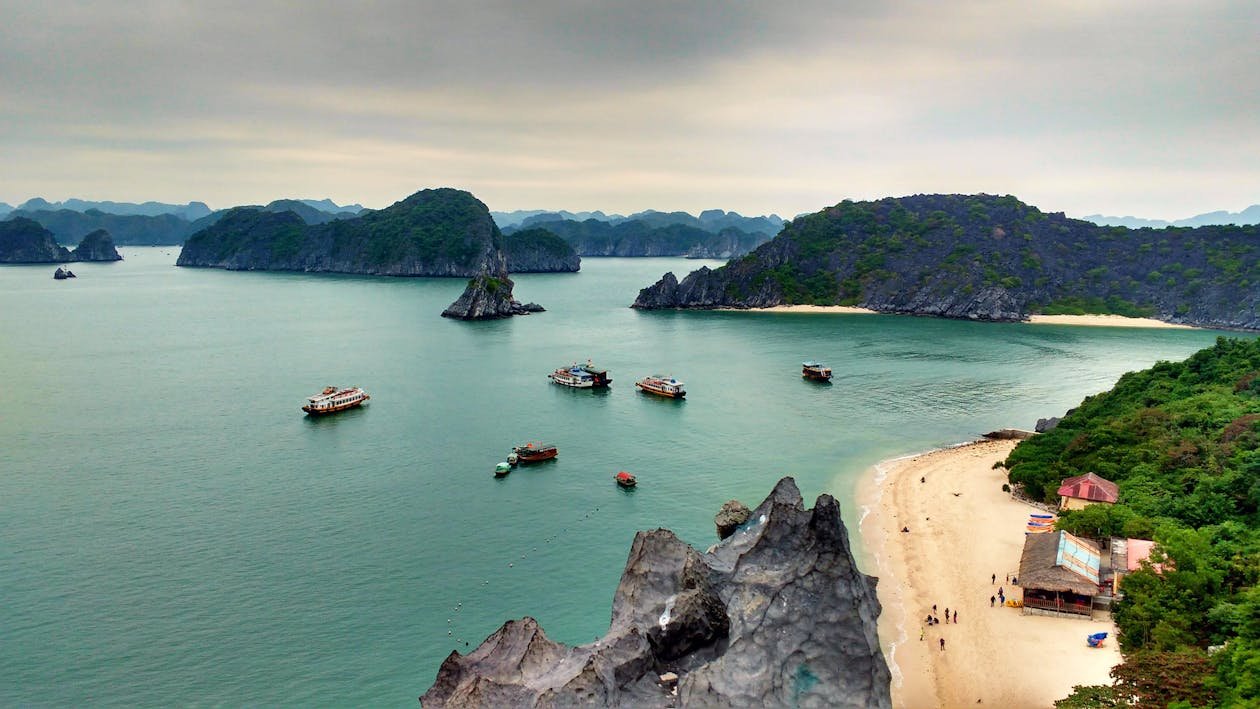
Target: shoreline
(1096,320)
(963,530)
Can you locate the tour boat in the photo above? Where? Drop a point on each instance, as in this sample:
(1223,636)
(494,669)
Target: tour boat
(534,452)
(662,386)
(625,479)
(815,371)
(581,376)
(332,400)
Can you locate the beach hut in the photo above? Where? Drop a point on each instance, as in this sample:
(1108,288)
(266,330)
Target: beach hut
(1059,573)
(1088,489)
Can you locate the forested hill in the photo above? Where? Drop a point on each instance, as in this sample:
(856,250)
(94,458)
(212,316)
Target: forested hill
(986,258)
(1182,440)
(439,232)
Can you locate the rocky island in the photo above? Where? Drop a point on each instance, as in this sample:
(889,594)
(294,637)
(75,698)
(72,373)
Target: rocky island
(488,297)
(984,257)
(23,240)
(777,614)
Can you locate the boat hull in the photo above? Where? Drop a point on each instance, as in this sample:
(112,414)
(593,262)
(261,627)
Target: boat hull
(649,389)
(537,457)
(312,411)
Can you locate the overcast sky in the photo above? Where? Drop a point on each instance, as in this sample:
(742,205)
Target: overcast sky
(1146,108)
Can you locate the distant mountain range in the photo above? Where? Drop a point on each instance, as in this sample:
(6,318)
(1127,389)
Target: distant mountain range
(710,220)
(1250,215)
(154,223)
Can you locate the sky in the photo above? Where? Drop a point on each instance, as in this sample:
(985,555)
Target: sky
(1144,108)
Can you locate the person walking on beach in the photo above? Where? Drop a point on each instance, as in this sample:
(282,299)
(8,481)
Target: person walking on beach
(942,644)
(955,616)
(992,600)
(993,579)
(946,616)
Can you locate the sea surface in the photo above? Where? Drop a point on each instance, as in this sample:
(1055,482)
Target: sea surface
(173,530)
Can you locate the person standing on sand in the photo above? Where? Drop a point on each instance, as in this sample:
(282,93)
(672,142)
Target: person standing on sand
(942,644)
(946,616)
(992,600)
(955,616)
(993,579)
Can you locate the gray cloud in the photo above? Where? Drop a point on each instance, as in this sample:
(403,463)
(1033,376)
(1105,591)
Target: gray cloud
(1129,107)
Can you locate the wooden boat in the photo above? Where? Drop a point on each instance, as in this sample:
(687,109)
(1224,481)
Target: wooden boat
(534,452)
(581,376)
(662,386)
(333,400)
(625,479)
(502,469)
(815,371)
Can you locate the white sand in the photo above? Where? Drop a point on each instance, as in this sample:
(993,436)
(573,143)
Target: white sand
(962,529)
(1103,321)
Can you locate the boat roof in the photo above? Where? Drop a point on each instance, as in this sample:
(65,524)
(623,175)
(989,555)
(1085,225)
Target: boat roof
(333,394)
(812,363)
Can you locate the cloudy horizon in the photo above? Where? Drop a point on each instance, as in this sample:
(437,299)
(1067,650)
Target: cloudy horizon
(1144,109)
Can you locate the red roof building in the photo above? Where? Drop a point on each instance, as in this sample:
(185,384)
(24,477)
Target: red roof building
(1087,489)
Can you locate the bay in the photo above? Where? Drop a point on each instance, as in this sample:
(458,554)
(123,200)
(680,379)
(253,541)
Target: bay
(174,531)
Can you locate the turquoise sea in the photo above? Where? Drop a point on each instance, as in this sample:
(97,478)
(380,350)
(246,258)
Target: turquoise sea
(174,531)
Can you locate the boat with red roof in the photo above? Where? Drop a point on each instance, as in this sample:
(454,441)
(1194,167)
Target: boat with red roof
(625,479)
(334,399)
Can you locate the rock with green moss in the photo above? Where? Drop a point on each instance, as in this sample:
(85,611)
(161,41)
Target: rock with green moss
(539,251)
(487,297)
(23,240)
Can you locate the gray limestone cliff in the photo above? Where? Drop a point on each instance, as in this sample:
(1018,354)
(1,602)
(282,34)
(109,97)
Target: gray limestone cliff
(539,251)
(775,615)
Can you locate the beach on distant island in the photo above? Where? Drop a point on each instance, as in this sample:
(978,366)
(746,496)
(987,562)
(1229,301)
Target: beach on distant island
(962,531)
(1095,320)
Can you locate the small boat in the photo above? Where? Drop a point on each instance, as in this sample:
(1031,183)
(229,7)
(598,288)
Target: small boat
(625,479)
(534,452)
(502,469)
(662,386)
(513,458)
(581,376)
(815,371)
(333,399)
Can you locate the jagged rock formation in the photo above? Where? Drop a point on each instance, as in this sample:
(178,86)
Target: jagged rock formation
(24,241)
(775,615)
(441,232)
(488,297)
(539,251)
(983,257)
(1047,424)
(97,246)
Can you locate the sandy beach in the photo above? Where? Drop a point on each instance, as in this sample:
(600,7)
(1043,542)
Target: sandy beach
(1103,321)
(1085,320)
(963,530)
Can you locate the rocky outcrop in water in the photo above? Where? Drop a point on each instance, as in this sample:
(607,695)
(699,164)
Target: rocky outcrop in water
(488,297)
(728,519)
(97,246)
(775,615)
(982,257)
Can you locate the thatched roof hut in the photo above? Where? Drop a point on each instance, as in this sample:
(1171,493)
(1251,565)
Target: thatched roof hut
(1060,563)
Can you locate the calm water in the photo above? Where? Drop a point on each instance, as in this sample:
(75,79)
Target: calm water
(173,530)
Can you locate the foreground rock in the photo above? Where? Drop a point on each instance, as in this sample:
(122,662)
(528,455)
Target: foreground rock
(488,297)
(728,519)
(775,615)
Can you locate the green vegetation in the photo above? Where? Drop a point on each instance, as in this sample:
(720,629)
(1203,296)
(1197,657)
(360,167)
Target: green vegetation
(1111,305)
(1182,440)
